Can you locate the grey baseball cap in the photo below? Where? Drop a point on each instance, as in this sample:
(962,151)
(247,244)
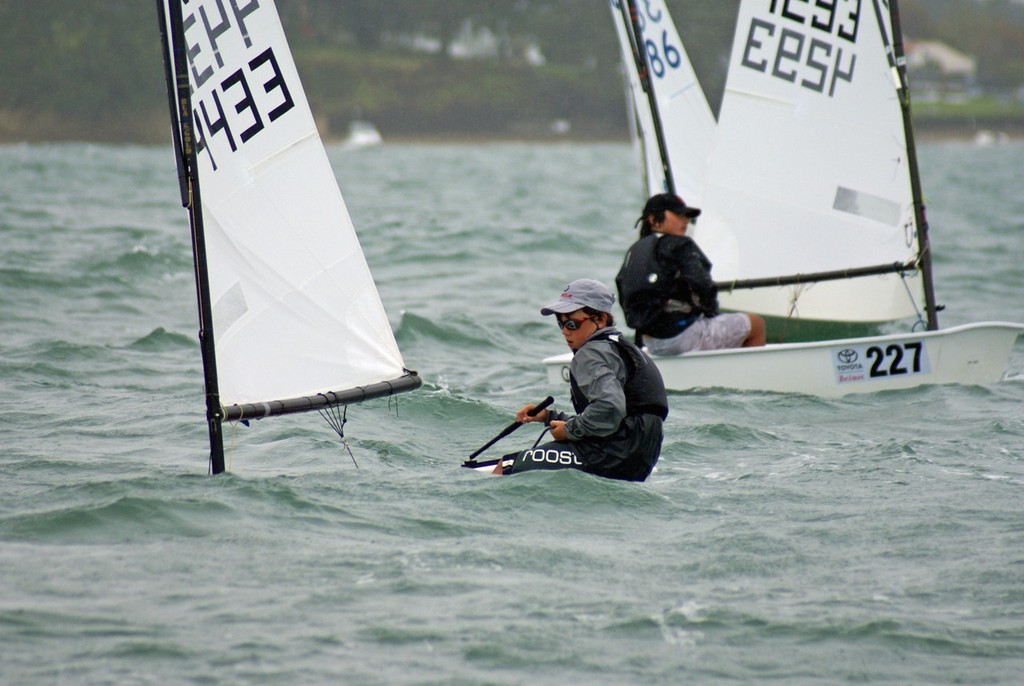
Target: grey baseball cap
(579,294)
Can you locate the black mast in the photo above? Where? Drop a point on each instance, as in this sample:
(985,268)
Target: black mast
(898,62)
(631,18)
(180,100)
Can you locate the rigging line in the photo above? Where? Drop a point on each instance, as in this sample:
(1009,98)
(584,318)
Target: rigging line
(913,301)
(329,419)
(394,395)
(337,416)
(327,412)
(797,292)
(537,442)
(899,71)
(231,447)
(332,416)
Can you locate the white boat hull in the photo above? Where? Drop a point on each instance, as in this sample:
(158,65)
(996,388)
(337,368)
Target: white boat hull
(362,134)
(487,466)
(969,354)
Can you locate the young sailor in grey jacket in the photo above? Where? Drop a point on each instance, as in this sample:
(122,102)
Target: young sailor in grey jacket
(617,393)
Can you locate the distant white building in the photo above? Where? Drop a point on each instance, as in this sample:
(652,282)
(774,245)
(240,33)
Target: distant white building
(935,66)
(474,43)
(533,55)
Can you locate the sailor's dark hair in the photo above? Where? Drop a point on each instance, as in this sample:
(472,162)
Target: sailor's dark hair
(591,312)
(645,223)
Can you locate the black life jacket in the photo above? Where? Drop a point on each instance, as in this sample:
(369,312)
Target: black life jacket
(644,388)
(659,299)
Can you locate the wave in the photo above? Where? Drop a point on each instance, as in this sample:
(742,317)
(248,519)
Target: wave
(455,331)
(160,339)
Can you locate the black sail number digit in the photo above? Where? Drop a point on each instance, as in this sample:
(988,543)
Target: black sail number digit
(895,359)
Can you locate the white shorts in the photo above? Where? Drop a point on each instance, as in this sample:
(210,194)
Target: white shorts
(721,331)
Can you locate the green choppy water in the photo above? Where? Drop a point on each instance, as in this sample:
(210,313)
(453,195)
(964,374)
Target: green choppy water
(783,539)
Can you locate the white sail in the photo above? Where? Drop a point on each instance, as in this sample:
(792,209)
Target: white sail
(295,309)
(810,170)
(680,99)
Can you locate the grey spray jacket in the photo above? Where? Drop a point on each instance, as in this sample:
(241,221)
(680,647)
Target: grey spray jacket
(620,401)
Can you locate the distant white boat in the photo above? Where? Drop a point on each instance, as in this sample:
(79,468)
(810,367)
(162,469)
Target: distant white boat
(362,134)
(988,139)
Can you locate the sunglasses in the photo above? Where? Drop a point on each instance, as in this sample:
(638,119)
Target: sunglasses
(572,324)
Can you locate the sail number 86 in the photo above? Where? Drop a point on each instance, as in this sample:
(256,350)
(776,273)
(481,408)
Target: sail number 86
(654,56)
(895,359)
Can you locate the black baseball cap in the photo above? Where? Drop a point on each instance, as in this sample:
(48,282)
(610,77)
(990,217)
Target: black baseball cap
(672,203)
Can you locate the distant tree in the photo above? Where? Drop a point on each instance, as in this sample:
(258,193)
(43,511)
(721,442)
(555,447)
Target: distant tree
(98,61)
(101,57)
(916,19)
(365,21)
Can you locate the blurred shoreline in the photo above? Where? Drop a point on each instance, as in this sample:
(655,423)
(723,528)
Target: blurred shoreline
(153,129)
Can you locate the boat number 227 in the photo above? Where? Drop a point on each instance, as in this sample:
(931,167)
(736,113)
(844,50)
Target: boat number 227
(894,359)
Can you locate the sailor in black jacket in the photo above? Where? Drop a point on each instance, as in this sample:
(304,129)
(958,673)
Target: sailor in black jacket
(617,393)
(667,292)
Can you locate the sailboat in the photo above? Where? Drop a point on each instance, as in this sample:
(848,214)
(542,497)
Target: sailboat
(290,319)
(362,134)
(811,198)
